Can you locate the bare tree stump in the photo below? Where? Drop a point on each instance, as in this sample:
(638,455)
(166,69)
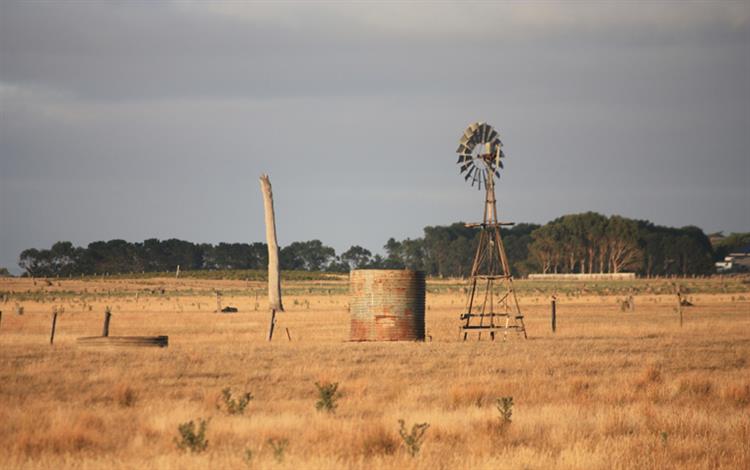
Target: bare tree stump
(274,277)
(274,274)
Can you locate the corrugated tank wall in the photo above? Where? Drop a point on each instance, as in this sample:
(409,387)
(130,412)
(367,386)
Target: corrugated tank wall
(387,305)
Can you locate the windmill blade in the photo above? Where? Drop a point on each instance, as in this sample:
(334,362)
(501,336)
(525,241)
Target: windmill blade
(485,132)
(468,175)
(492,136)
(466,166)
(470,130)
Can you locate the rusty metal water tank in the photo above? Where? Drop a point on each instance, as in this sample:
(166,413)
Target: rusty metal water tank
(387,305)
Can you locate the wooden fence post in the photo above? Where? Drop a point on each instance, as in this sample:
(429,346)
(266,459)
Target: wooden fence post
(554,314)
(273,323)
(54,323)
(107,316)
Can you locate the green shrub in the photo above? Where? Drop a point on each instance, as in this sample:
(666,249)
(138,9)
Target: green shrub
(248,457)
(327,396)
(234,406)
(279,447)
(190,439)
(413,439)
(505,407)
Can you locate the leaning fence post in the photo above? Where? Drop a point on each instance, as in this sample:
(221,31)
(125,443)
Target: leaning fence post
(273,323)
(54,322)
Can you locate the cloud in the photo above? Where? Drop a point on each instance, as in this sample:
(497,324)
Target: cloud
(483,20)
(173,49)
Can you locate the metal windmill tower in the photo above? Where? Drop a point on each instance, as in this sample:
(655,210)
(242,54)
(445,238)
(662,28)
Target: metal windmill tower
(492,304)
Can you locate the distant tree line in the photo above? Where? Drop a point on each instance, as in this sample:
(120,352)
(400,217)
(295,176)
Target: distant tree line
(593,243)
(730,244)
(576,243)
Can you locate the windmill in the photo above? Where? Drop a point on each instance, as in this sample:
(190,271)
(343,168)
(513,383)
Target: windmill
(492,305)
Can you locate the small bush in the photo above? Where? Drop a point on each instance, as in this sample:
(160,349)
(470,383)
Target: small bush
(248,457)
(376,440)
(505,407)
(125,396)
(739,394)
(413,439)
(651,375)
(696,387)
(234,406)
(468,395)
(190,439)
(327,396)
(279,447)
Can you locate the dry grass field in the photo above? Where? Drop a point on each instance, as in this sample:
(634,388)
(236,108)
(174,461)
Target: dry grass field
(610,389)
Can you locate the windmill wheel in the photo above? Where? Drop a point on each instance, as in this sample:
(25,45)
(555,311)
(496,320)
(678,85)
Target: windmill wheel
(480,154)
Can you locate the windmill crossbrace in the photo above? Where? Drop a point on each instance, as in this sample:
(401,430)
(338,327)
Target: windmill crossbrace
(492,224)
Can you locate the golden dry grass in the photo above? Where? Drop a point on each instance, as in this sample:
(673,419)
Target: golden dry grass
(608,390)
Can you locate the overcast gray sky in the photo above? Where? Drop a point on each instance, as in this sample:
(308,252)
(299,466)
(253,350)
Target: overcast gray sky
(141,119)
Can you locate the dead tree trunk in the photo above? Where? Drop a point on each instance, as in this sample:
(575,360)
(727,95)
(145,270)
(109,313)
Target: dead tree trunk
(274,277)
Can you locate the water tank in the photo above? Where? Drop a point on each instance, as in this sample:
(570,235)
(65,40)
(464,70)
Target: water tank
(387,305)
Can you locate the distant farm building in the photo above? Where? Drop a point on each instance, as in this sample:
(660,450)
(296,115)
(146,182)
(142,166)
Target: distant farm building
(736,261)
